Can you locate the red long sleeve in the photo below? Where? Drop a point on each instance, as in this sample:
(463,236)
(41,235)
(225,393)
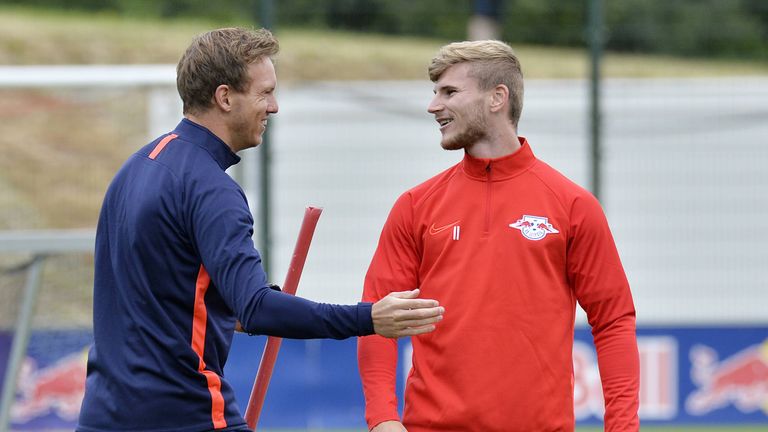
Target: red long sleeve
(377,357)
(601,288)
(394,268)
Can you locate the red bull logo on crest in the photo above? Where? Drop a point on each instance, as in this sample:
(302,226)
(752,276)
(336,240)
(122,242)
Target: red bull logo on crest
(57,389)
(534,227)
(740,380)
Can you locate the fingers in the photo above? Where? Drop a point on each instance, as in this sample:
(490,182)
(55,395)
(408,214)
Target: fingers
(416,313)
(406,294)
(415,322)
(421,321)
(417,303)
(409,299)
(402,314)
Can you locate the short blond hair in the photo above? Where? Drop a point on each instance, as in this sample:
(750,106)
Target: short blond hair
(218,57)
(493,63)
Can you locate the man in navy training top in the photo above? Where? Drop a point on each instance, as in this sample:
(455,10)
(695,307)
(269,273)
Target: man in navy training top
(175,267)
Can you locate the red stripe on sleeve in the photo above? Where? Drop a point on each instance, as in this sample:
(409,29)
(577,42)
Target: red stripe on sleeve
(199,322)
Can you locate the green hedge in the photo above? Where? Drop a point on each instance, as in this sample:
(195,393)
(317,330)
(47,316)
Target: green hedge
(708,28)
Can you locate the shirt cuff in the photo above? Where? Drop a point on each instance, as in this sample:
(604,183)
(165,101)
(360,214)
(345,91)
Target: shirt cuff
(364,319)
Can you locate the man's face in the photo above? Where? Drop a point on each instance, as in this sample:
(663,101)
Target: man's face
(459,108)
(251,108)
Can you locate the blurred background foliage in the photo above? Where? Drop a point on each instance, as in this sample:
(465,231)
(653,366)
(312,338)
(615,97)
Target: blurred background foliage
(712,28)
(721,28)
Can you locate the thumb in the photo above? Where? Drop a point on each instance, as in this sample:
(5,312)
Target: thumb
(406,294)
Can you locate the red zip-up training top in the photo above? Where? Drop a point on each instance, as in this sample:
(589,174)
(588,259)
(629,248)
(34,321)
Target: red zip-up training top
(508,246)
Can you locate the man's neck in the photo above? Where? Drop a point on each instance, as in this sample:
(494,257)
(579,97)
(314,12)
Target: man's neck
(213,124)
(500,142)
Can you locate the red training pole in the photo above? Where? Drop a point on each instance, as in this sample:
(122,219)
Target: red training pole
(259,392)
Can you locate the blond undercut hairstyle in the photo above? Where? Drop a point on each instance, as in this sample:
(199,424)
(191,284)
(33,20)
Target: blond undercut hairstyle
(493,63)
(219,57)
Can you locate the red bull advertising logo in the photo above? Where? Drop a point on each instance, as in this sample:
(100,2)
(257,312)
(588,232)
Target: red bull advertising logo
(658,380)
(688,375)
(703,375)
(740,380)
(57,389)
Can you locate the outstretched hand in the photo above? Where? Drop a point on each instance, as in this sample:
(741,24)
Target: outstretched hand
(403,314)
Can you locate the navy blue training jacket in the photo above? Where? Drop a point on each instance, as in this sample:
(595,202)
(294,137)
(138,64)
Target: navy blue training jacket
(175,266)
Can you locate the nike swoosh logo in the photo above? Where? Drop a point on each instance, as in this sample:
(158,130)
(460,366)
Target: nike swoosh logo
(435,231)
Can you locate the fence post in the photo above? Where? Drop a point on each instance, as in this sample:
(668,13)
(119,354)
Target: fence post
(595,36)
(266,19)
(20,340)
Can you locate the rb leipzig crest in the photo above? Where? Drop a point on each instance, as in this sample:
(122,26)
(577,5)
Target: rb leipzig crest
(534,227)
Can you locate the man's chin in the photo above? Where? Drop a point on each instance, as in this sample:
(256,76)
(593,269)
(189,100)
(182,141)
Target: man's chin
(451,145)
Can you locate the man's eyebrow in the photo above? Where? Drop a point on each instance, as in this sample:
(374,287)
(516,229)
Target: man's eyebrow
(444,87)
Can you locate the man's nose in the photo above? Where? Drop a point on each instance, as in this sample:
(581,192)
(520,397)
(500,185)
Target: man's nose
(273,107)
(434,106)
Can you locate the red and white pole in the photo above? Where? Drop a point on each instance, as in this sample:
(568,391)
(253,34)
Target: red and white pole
(259,392)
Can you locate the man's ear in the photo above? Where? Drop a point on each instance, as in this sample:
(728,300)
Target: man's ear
(222,98)
(499,97)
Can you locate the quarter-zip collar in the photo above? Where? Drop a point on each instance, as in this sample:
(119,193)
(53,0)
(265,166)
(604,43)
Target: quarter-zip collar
(200,135)
(504,167)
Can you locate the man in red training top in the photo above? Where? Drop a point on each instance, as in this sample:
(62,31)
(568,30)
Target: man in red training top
(508,246)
